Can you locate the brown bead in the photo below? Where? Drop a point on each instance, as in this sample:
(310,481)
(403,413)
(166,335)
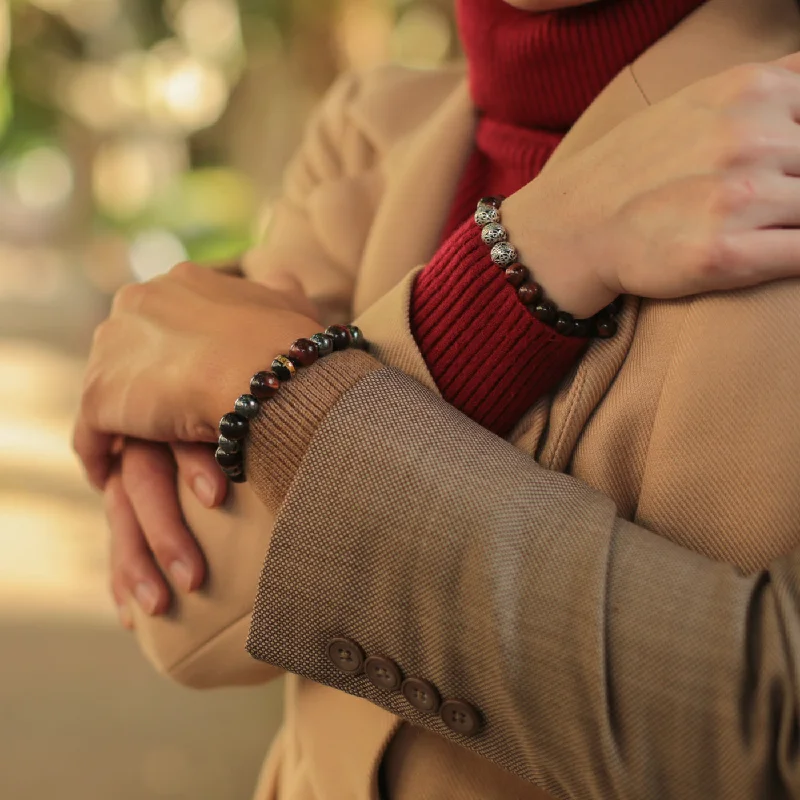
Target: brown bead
(264,385)
(516,275)
(546,312)
(582,328)
(304,352)
(495,201)
(565,324)
(530,293)
(606,328)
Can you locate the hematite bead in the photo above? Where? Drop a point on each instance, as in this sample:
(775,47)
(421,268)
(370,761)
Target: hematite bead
(228,460)
(238,477)
(516,275)
(324,343)
(493,233)
(304,352)
(340,336)
(494,200)
(530,293)
(234,472)
(606,328)
(232,426)
(229,445)
(264,385)
(357,338)
(565,324)
(486,215)
(284,368)
(545,312)
(582,328)
(247,406)
(613,308)
(504,254)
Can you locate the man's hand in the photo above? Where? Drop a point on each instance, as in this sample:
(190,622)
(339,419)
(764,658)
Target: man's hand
(152,551)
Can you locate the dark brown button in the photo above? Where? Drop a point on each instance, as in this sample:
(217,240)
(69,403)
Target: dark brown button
(346,655)
(421,694)
(461,717)
(383,673)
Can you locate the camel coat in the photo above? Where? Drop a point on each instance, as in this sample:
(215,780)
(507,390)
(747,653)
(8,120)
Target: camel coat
(608,590)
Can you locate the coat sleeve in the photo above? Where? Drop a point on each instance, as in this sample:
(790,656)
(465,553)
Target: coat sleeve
(596,659)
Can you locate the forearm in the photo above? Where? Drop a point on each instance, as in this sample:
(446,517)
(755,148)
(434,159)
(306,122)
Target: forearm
(603,659)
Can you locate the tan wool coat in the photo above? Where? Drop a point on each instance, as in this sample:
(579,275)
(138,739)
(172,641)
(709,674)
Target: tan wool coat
(608,589)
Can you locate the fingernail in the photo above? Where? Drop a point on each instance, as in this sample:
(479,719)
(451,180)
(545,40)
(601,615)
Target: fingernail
(181,573)
(204,490)
(147,597)
(125,616)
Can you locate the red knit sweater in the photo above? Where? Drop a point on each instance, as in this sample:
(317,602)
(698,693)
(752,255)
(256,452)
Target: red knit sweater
(531,77)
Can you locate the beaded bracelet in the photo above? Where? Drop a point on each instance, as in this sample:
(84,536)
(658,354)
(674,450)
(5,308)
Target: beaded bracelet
(233,427)
(602,325)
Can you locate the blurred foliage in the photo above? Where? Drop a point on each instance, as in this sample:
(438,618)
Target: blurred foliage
(149,130)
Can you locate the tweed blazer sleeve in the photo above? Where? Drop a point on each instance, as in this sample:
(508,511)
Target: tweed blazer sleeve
(599,659)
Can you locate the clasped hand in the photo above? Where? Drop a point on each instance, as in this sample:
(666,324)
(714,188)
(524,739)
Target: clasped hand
(168,362)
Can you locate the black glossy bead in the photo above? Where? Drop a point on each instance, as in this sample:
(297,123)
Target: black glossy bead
(284,368)
(228,459)
(606,328)
(264,385)
(324,344)
(235,473)
(582,328)
(232,426)
(229,445)
(357,338)
(247,406)
(613,308)
(238,478)
(565,324)
(546,312)
(340,336)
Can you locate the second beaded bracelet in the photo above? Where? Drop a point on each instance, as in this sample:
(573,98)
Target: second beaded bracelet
(234,427)
(603,325)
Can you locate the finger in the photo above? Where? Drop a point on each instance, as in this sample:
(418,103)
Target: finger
(199,471)
(94,449)
(756,257)
(133,571)
(767,200)
(148,475)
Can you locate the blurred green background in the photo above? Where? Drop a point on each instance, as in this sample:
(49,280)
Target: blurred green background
(133,134)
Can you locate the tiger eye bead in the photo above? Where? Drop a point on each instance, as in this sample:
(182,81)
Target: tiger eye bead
(324,344)
(264,385)
(304,352)
(357,338)
(565,324)
(284,368)
(516,275)
(232,426)
(340,336)
(247,406)
(227,460)
(530,293)
(606,328)
(495,201)
(582,328)
(546,312)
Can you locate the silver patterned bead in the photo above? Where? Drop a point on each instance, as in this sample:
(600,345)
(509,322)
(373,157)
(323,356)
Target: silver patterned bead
(485,215)
(493,233)
(504,254)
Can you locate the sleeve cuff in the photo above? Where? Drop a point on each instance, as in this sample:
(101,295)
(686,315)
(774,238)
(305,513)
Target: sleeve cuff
(282,432)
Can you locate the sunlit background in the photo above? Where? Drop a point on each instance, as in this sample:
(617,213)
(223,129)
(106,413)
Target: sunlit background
(133,134)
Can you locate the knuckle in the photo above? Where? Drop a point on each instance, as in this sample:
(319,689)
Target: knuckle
(185,271)
(713,258)
(730,195)
(737,141)
(130,297)
(749,83)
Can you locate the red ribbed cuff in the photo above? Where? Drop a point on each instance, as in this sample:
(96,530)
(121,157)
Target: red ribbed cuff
(490,357)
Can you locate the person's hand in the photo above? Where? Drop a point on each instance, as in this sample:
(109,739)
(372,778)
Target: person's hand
(698,193)
(152,552)
(175,353)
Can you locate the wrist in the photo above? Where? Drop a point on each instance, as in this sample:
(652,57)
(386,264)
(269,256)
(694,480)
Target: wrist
(561,257)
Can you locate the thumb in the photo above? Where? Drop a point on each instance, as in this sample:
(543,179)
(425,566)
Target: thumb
(790,62)
(199,471)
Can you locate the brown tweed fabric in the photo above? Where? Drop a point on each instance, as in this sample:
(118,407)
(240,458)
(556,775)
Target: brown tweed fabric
(574,694)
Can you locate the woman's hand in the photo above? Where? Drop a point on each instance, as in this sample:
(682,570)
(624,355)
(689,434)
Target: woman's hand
(698,193)
(175,353)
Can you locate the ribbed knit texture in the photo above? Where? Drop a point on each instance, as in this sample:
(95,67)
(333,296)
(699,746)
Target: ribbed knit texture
(531,77)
